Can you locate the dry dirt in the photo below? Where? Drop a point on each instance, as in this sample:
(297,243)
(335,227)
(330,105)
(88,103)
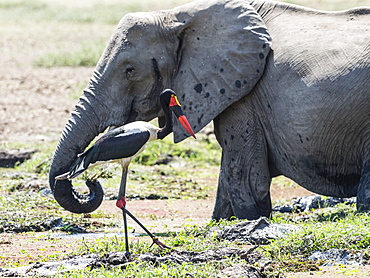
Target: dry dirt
(35,103)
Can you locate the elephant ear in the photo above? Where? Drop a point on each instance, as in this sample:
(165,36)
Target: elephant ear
(222,54)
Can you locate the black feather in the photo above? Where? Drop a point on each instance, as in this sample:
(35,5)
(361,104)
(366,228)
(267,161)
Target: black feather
(116,144)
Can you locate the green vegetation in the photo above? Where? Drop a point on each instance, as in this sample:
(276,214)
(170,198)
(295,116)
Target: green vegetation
(86,56)
(207,155)
(331,228)
(323,230)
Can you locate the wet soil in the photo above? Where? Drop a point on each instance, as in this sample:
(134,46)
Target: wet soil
(159,216)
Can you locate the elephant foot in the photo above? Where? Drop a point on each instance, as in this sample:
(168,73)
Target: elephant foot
(222,210)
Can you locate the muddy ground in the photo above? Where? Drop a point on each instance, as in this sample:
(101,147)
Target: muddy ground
(35,104)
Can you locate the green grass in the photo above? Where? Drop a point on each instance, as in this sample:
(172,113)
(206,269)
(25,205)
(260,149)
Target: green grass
(87,55)
(38,164)
(323,230)
(330,228)
(206,153)
(24,211)
(83,12)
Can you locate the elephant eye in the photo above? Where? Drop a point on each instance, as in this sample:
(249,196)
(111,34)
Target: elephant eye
(129,71)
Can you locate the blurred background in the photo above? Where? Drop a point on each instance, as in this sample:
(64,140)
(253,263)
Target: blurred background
(49,49)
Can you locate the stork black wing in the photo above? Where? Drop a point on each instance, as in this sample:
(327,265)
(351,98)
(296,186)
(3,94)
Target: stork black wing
(116,145)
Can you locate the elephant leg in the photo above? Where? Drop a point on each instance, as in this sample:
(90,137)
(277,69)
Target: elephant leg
(244,181)
(363,193)
(222,209)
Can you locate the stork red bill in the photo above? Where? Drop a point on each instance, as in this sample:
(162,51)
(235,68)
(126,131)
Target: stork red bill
(185,123)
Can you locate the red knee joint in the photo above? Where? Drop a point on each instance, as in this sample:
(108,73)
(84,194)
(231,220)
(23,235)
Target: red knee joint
(121,203)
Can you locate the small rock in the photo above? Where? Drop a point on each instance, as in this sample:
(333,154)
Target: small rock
(33,184)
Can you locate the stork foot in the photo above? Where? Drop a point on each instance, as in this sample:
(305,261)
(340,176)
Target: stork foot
(160,244)
(121,203)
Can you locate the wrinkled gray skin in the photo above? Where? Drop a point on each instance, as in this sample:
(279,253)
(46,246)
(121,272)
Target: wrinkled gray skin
(288,89)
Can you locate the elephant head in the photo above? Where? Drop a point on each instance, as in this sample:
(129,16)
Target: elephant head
(211,53)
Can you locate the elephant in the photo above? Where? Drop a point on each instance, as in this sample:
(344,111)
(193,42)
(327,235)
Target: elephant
(287,88)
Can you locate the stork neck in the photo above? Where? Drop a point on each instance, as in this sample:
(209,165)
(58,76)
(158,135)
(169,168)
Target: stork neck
(167,129)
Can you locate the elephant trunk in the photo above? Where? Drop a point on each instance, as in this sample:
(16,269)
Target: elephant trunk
(83,126)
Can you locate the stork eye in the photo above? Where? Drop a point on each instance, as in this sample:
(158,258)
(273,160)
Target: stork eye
(129,71)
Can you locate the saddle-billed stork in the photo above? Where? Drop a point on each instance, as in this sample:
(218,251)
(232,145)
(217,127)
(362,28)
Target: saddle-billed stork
(123,143)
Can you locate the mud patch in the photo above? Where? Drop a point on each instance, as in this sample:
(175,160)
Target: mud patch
(51,268)
(119,259)
(339,256)
(307,203)
(242,271)
(259,231)
(180,257)
(32,225)
(9,158)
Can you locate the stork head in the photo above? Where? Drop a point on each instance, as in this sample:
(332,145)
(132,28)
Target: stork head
(170,102)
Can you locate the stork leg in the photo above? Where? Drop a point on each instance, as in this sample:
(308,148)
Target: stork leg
(127,251)
(121,203)
(154,238)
